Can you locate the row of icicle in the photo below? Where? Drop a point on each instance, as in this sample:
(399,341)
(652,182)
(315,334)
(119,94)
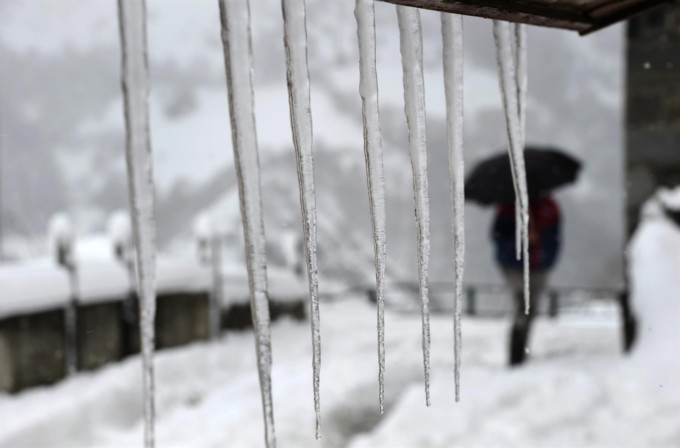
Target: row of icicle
(238,56)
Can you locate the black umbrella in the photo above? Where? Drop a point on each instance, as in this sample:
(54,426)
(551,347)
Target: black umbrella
(547,169)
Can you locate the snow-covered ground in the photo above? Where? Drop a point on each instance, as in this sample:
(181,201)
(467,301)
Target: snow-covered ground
(577,390)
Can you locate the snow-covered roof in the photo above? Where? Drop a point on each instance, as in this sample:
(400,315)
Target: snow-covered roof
(30,287)
(42,285)
(583,16)
(283,285)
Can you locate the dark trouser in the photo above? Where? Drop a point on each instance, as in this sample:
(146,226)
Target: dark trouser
(521,326)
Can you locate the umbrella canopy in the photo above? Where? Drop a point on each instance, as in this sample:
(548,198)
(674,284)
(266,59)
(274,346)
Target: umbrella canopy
(547,169)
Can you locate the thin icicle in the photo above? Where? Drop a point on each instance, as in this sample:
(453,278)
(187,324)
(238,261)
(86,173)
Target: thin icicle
(452,36)
(135,83)
(238,57)
(520,53)
(522,76)
(508,84)
(411,43)
(295,40)
(373,153)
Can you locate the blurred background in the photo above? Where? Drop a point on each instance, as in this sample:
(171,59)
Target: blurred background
(610,99)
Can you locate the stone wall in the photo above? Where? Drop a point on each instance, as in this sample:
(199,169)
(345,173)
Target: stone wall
(653,105)
(32,346)
(32,350)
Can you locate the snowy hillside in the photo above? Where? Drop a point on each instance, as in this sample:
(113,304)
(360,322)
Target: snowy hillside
(64,83)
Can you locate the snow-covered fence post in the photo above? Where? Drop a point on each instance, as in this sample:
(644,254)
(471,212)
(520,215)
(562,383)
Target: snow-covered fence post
(471,301)
(61,238)
(120,233)
(135,84)
(553,303)
(238,61)
(209,248)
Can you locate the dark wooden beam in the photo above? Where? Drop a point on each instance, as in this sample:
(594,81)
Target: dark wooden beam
(584,16)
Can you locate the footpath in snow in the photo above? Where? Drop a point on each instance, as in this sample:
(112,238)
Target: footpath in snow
(577,390)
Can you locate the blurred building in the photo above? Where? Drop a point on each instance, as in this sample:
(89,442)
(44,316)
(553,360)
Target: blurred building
(653,105)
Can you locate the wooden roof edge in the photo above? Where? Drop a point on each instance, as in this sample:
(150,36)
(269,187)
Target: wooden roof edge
(582,19)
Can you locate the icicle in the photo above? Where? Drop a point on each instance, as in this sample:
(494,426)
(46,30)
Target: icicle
(411,42)
(452,36)
(295,40)
(522,77)
(368,88)
(238,57)
(508,84)
(135,82)
(521,80)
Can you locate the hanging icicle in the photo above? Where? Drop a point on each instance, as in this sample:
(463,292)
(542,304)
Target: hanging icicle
(411,43)
(373,153)
(510,86)
(238,57)
(295,40)
(452,36)
(135,82)
(519,49)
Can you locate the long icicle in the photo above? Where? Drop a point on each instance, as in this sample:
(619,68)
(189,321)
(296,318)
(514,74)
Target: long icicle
(520,54)
(135,83)
(373,153)
(522,82)
(295,40)
(508,83)
(238,57)
(411,43)
(452,36)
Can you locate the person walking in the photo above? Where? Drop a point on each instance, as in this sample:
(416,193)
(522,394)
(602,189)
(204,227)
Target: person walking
(545,240)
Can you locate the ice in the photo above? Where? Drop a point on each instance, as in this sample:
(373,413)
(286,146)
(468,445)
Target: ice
(520,47)
(295,40)
(508,80)
(135,83)
(238,57)
(373,153)
(119,229)
(522,76)
(411,44)
(452,36)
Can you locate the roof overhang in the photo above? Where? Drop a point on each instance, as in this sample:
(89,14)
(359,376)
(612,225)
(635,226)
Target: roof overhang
(584,16)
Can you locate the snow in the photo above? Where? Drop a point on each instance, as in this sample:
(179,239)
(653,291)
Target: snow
(32,287)
(119,228)
(203,227)
(654,269)
(60,231)
(411,44)
(238,56)
(578,390)
(373,155)
(284,287)
(452,36)
(41,285)
(295,41)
